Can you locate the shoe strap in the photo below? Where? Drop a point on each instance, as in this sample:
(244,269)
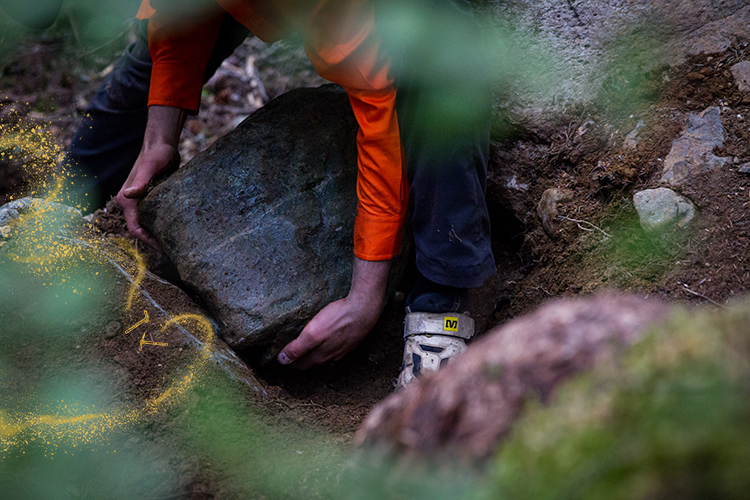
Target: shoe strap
(450,324)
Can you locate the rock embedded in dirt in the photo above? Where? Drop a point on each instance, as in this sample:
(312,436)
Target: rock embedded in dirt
(691,153)
(745,169)
(741,73)
(662,209)
(260,225)
(633,138)
(508,189)
(547,207)
(470,406)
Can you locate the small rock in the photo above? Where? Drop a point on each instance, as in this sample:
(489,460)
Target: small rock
(547,208)
(745,169)
(694,77)
(514,184)
(741,73)
(632,139)
(113,328)
(661,209)
(691,153)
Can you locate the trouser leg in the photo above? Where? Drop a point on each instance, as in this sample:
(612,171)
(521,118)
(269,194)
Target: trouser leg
(110,137)
(444,120)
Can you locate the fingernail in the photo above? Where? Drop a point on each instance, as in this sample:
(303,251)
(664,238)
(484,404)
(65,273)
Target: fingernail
(283,358)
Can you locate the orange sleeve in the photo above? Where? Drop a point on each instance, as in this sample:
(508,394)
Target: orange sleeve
(145,10)
(180,47)
(343,45)
(382,188)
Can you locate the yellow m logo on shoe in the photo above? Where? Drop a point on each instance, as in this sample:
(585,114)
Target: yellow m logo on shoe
(450,324)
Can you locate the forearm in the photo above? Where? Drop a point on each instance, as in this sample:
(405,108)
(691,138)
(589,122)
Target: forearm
(369,280)
(164,126)
(159,151)
(382,188)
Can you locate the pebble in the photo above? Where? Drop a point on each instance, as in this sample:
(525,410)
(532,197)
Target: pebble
(547,207)
(632,139)
(113,328)
(741,73)
(662,209)
(691,153)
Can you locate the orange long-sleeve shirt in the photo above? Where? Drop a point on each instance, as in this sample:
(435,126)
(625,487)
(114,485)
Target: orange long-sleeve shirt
(344,47)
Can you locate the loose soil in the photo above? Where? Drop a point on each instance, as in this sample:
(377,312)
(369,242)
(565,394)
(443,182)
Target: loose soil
(598,245)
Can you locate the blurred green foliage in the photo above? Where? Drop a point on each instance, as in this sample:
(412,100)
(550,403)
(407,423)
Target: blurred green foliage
(671,421)
(450,62)
(45,327)
(84,25)
(631,78)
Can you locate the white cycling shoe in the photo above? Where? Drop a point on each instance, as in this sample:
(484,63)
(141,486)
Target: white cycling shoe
(432,339)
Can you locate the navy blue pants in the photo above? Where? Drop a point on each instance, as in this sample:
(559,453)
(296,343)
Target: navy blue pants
(444,120)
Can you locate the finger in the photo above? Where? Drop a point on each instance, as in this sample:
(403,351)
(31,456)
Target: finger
(138,188)
(131,219)
(298,347)
(148,168)
(313,358)
(327,352)
(148,239)
(135,191)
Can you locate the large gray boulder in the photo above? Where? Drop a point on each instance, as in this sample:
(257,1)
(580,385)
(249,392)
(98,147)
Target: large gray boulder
(260,225)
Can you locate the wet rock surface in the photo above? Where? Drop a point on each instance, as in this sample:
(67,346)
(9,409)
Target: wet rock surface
(692,153)
(662,209)
(260,225)
(470,405)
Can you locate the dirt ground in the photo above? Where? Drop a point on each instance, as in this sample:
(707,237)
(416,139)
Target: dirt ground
(598,245)
(702,265)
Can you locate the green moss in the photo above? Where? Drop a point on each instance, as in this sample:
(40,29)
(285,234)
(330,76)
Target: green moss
(672,420)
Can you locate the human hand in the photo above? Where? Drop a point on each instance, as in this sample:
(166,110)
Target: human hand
(158,156)
(340,326)
(337,329)
(150,164)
